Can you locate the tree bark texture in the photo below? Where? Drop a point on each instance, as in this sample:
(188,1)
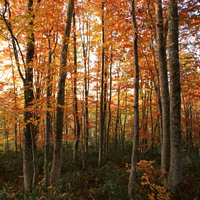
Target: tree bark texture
(30,170)
(57,153)
(29,145)
(132,177)
(175,102)
(162,62)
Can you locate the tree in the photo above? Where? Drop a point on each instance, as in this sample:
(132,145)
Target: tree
(30,170)
(132,177)
(162,62)
(102,119)
(77,130)
(175,173)
(57,153)
(48,129)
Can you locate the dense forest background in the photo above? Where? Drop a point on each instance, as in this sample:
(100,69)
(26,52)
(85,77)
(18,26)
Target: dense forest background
(91,89)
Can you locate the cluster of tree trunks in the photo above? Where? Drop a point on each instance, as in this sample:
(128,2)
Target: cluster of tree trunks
(169,101)
(171,160)
(30,165)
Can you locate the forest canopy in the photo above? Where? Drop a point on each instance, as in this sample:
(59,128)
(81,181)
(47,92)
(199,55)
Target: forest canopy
(102,76)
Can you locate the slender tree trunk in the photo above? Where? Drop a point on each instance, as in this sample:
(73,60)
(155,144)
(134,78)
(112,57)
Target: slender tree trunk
(6,135)
(157,88)
(132,177)
(96,128)
(109,111)
(86,101)
(105,104)
(151,116)
(191,144)
(48,132)
(125,117)
(162,62)
(48,115)
(82,150)
(29,154)
(144,117)
(29,144)
(156,85)
(86,116)
(86,85)
(102,120)
(15,99)
(118,114)
(76,114)
(175,102)
(57,153)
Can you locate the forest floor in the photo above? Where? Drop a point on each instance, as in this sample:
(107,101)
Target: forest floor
(108,183)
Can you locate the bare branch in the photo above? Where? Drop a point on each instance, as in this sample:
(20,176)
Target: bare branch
(14,41)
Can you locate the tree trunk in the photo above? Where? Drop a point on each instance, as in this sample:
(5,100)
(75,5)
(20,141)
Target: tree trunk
(157,88)
(86,83)
(124,127)
(118,114)
(105,103)
(132,177)
(175,102)
(15,100)
(29,143)
(102,120)
(48,115)
(109,110)
(82,150)
(162,62)
(151,116)
(96,125)
(57,153)
(76,114)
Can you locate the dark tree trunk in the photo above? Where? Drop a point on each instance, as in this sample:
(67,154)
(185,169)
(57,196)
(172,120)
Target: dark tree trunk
(15,100)
(109,111)
(76,114)
(125,118)
(118,114)
(96,127)
(29,154)
(102,120)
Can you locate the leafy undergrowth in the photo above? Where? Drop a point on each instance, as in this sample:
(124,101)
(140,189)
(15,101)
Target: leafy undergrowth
(108,183)
(191,177)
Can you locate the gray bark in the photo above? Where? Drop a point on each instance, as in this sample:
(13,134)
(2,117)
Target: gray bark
(175,102)
(132,177)
(162,62)
(57,153)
